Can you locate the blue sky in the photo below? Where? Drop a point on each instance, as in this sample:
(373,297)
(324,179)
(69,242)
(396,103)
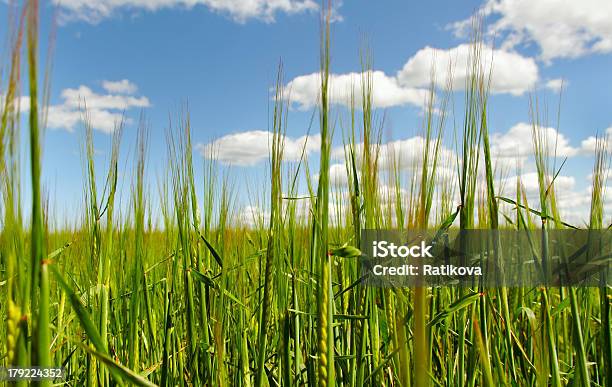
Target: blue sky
(221,58)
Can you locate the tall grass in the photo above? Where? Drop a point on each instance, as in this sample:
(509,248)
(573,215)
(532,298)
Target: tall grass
(275,224)
(207,299)
(320,248)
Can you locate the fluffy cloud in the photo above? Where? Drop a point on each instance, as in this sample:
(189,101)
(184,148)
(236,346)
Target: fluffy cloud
(405,154)
(238,10)
(555,84)
(253,216)
(123,86)
(531,184)
(518,142)
(606,175)
(83,95)
(102,111)
(386,92)
(23,103)
(573,201)
(561,29)
(511,73)
(337,175)
(252,147)
(509,150)
(589,145)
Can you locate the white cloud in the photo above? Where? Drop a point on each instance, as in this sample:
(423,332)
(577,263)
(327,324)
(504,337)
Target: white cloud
(239,10)
(573,203)
(518,142)
(555,84)
(253,216)
(589,145)
(386,92)
(252,147)
(23,103)
(389,195)
(83,95)
(511,72)
(510,149)
(406,154)
(605,175)
(531,184)
(103,111)
(64,117)
(123,86)
(561,29)
(337,175)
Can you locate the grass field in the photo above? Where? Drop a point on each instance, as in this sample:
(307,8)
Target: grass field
(205,299)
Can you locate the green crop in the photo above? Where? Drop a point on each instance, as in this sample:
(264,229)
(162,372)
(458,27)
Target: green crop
(210,298)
